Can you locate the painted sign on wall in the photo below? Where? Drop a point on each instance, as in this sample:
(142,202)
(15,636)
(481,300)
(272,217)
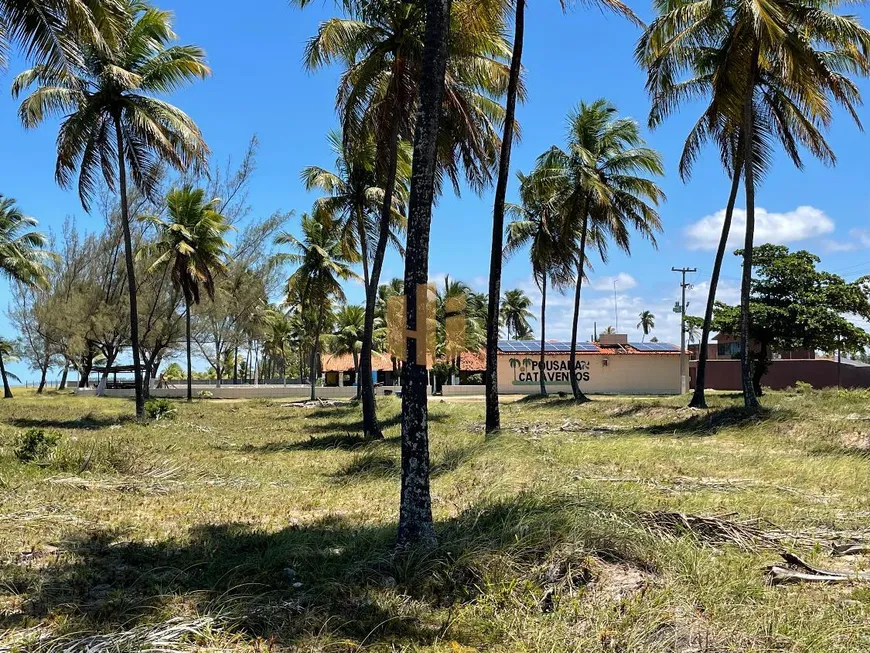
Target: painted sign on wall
(527,371)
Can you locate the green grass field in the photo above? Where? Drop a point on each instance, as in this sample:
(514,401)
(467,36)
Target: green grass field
(248,526)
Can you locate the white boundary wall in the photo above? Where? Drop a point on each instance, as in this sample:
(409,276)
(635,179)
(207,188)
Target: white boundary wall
(280,392)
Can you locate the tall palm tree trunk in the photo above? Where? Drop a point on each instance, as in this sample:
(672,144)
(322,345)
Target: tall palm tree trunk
(315,349)
(541,370)
(581,267)
(750,401)
(189,357)
(363,246)
(493,416)
(371,428)
(415,507)
(7,391)
(131,272)
(698,398)
(355,356)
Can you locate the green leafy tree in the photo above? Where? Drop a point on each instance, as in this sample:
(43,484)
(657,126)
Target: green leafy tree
(192,242)
(493,418)
(647,323)
(795,306)
(111,120)
(604,171)
(769,74)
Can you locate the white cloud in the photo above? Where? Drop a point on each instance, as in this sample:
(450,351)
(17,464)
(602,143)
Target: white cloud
(835,246)
(624,281)
(779,228)
(858,239)
(480,283)
(600,310)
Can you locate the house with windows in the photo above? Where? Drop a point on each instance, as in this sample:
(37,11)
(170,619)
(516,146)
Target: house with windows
(339,370)
(786,369)
(727,347)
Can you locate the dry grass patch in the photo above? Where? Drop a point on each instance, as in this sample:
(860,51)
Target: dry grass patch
(619,525)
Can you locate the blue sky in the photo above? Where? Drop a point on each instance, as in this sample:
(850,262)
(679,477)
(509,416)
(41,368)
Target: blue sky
(260,87)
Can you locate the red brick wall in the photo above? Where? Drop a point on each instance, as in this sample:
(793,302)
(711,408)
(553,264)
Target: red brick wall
(821,373)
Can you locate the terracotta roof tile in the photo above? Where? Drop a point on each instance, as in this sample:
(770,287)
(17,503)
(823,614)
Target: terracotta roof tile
(344,363)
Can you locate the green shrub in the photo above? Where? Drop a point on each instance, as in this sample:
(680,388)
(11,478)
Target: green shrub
(802,387)
(35,445)
(473,379)
(205,394)
(158,409)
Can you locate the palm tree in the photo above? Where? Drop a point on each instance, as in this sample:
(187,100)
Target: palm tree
(415,505)
(322,266)
(353,197)
(111,120)
(279,335)
(609,331)
(380,45)
(23,258)
(48,30)
(347,339)
(395,288)
(768,80)
(516,311)
(192,242)
(605,191)
(354,200)
(647,323)
(537,223)
(493,417)
(8,353)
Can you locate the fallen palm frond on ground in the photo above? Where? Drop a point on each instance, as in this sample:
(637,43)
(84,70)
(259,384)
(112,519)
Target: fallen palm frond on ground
(317,403)
(716,530)
(800,571)
(125,484)
(175,635)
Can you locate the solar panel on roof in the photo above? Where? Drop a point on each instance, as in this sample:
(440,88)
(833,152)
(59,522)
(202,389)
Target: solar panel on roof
(534,346)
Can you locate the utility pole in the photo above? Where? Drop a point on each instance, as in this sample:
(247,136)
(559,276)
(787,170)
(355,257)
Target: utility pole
(681,309)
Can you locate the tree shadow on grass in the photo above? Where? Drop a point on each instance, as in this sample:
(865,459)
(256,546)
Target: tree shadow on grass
(345,435)
(710,422)
(552,400)
(86,422)
(328,581)
(378,464)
